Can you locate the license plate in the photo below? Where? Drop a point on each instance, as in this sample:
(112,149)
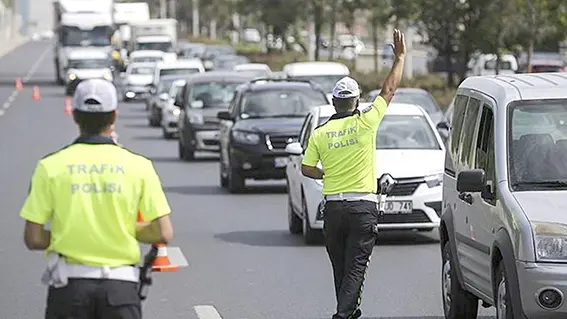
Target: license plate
(281,161)
(398,207)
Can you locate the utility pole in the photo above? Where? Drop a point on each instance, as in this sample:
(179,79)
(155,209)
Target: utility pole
(196,18)
(408,65)
(173,9)
(311,35)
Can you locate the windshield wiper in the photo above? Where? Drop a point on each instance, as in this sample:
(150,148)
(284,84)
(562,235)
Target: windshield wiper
(550,183)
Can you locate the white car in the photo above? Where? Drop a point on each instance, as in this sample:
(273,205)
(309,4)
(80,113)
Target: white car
(144,56)
(257,69)
(408,148)
(88,64)
(137,80)
(170,112)
(325,74)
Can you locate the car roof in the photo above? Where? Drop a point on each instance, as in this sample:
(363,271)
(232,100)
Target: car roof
(313,68)
(393,109)
(402,90)
(151,38)
(173,77)
(144,53)
(513,87)
(219,76)
(278,85)
(180,64)
(142,65)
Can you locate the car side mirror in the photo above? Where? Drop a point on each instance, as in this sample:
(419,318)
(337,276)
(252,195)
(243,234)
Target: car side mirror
(224,115)
(294,148)
(443,126)
(178,101)
(164,97)
(122,75)
(198,104)
(471,181)
(208,65)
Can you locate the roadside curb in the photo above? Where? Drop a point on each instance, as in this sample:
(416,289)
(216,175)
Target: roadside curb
(12,44)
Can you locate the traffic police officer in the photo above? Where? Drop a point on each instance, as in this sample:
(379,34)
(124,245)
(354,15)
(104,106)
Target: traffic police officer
(89,193)
(346,147)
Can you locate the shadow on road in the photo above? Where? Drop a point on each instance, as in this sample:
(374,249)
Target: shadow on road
(394,238)
(262,238)
(147,137)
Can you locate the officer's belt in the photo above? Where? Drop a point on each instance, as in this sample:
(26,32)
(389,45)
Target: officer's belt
(126,273)
(351,197)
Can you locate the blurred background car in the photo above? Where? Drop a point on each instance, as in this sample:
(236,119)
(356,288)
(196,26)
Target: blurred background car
(169,111)
(257,69)
(324,74)
(213,51)
(137,81)
(89,64)
(228,62)
(205,95)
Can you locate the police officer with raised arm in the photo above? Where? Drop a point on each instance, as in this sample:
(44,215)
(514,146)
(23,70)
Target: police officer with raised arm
(346,147)
(90,193)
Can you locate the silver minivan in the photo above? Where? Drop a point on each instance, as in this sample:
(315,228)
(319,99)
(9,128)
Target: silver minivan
(504,212)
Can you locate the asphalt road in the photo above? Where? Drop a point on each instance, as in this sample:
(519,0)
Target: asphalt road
(242,261)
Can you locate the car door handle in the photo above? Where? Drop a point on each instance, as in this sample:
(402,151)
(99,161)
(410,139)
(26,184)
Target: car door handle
(466,198)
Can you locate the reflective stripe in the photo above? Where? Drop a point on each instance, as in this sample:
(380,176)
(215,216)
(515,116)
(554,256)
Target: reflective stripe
(126,273)
(352,197)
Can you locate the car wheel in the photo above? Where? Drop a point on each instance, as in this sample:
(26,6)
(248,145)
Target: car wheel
(236,182)
(457,302)
(503,301)
(294,222)
(310,235)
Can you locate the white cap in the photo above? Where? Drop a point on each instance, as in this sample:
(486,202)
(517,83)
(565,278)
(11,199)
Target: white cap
(100,94)
(346,88)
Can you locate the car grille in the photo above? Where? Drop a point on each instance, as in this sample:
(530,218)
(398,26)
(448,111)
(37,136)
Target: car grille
(416,216)
(279,142)
(405,186)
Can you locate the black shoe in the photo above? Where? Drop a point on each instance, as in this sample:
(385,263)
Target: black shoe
(356,314)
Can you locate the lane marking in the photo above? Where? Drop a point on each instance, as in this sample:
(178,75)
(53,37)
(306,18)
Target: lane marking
(36,65)
(28,76)
(207,312)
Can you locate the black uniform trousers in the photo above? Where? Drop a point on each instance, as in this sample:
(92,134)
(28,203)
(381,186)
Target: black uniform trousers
(349,238)
(94,299)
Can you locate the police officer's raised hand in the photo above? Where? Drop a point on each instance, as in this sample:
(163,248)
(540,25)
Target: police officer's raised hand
(399,45)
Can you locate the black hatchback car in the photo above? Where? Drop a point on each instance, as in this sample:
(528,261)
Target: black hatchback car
(264,116)
(204,95)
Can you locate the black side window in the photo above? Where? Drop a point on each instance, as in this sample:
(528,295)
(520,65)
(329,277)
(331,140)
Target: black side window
(468,130)
(458,116)
(485,152)
(232,105)
(306,131)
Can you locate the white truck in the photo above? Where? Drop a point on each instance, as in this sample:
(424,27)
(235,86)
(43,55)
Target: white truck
(128,13)
(79,24)
(155,34)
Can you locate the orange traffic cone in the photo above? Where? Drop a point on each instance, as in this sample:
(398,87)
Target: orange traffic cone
(19,85)
(35,93)
(161,263)
(68,109)
(140,218)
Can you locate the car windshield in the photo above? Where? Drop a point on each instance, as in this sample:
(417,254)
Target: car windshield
(229,62)
(280,103)
(150,59)
(214,51)
(89,64)
(423,99)
(178,71)
(213,94)
(73,36)
(538,143)
(326,82)
(142,70)
(165,85)
(403,132)
(158,46)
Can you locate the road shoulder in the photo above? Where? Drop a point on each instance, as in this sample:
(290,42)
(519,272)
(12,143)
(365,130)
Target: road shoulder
(9,45)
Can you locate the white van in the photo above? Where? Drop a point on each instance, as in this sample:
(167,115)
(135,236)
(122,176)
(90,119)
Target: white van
(325,74)
(485,64)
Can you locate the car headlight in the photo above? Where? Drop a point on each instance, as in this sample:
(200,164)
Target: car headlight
(107,76)
(434,180)
(246,137)
(195,118)
(550,241)
(176,111)
(72,76)
(115,55)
